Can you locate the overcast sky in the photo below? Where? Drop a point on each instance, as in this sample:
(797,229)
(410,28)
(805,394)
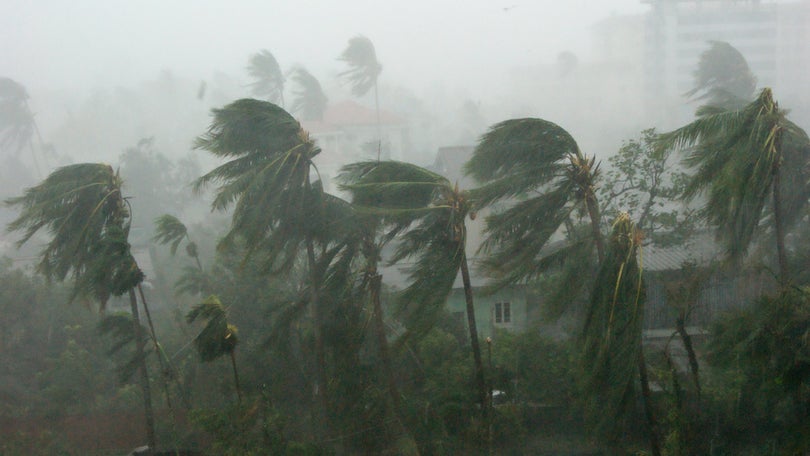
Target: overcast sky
(79,44)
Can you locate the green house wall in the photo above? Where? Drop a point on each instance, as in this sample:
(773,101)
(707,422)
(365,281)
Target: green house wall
(484,309)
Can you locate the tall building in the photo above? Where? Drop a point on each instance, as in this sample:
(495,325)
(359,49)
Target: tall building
(772,36)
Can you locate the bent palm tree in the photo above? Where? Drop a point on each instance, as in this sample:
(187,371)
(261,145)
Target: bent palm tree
(17,123)
(434,212)
(310,101)
(81,206)
(362,75)
(611,338)
(536,167)
(723,77)
(742,159)
(268,80)
(277,206)
(218,337)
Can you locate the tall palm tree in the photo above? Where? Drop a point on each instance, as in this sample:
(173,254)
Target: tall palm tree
(364,70)
(435,238)
(82,208)
(277,207)
(742,159)
(536,168)
(218,337)
(17,124)
(310,101)
(612,351)
(268,79)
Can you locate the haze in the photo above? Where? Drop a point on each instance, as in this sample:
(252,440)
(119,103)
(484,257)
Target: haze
(91,44)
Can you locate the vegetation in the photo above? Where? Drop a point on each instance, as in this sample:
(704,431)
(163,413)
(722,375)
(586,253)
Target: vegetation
(331,360)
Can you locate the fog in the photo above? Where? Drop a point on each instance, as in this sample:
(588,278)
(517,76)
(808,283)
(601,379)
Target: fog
(103,75)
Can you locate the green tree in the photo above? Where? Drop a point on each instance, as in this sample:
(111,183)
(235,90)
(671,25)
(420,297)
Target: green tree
(268,80)
(644,181)
(435,239)
(82,208)
(535,169)
(742,159)
(611,343)
(364,70)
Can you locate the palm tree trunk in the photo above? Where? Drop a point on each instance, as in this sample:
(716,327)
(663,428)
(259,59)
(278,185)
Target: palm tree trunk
(476,347)
(165,365)
(680,326)
(236,377)
(593,213)
(655,447)
(385,356)
(147,392)
(320,355)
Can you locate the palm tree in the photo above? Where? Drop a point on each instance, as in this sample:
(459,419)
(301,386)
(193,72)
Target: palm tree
(741,160)
(723,77)
(17,123)
(218,337)
(537,168)
(170,230)
(268,80)
(612,352)
(82,207)
(277,205)
(434,212)
(310,101)
(362,75)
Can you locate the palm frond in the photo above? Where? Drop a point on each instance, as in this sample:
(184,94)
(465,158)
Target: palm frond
(364,69)
(169,230)
(81,208)
(217,337)
(735,155)
(611,335)
(310,101)
(723,77)
(268,79)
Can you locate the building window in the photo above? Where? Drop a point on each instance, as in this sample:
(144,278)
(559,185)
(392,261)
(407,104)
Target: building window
(503,313)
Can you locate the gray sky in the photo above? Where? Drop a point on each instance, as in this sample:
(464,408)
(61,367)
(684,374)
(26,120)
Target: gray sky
(79,44)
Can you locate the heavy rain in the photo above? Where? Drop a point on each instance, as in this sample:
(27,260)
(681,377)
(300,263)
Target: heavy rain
(405,228)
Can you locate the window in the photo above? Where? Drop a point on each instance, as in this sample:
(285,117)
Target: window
(503,313)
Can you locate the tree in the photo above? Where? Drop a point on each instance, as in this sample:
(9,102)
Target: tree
(278,209)
(268,80)
(17,124)
(362,75)
(218,337)
(82,207)
(310,101)
(611,341)
(643,181)
(741,160)
(435,238)
(723,78)
(536,168)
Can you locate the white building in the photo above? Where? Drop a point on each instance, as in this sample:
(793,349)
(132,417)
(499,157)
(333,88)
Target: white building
(772,36)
